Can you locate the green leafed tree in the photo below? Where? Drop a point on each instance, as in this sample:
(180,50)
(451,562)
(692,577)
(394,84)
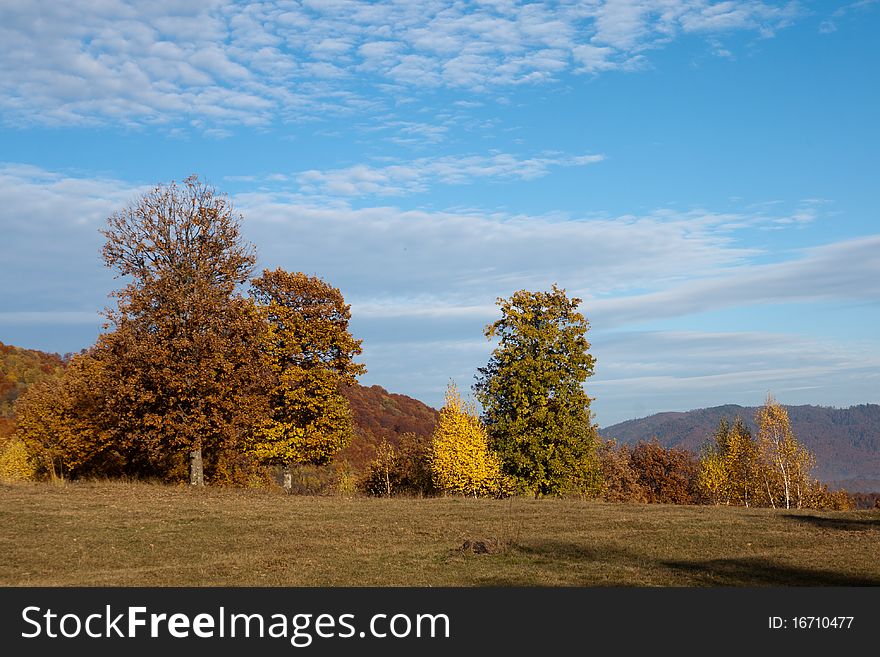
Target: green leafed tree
(311,355)
(534,405)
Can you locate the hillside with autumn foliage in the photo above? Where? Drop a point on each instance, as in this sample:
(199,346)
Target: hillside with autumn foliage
(381,415)
(20,368)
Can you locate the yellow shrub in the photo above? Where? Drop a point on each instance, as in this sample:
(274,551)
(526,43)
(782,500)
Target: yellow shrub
(461,461)
(15,462)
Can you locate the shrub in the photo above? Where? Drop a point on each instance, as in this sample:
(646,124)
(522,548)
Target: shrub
(15,462)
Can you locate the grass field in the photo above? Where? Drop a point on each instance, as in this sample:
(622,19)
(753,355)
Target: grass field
(123,534)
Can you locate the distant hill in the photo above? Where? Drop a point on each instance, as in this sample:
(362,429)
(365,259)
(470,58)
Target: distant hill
(379,414)
(846,441)
(19,368)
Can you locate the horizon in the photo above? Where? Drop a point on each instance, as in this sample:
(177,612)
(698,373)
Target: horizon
(702,174)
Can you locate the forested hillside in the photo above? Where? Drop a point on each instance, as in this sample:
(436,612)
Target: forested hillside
(19,368)
(379,414)
(845,441)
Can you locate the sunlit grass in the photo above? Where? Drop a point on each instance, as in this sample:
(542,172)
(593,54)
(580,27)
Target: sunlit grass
(128,534)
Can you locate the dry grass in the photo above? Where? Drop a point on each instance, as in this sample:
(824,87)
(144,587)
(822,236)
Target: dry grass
(123,534)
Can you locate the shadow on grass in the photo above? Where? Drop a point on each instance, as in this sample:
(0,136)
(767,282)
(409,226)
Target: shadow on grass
(846,524)
(762,572)
(744,571)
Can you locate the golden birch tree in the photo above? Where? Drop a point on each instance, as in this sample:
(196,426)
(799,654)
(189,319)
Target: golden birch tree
(785,462)
(713,477)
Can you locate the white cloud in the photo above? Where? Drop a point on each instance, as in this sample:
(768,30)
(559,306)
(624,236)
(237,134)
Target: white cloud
(397,262)
(472,257)
(418,175)
(80,62)
(51,245)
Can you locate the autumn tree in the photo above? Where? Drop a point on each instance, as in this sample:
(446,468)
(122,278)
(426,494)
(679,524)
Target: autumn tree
(382,476)
(413,466)
(460,458)
(713,477)
(404,469)
(534,406)
(620,482)
(310,351)
(16,462)
(741,458)
(184,345)
(667,475)
(67,426)
(785,463)
(729,466)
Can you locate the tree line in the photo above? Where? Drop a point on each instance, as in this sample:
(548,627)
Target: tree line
(207,371)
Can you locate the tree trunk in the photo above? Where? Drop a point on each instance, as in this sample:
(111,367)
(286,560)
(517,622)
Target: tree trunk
(196,471)
(286,478)
(769,494)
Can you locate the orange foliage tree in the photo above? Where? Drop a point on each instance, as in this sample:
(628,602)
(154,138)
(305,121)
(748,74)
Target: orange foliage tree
(184,352)
(666,475)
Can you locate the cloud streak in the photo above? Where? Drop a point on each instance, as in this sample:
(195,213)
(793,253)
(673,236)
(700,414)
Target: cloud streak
(843,270)
(419,175)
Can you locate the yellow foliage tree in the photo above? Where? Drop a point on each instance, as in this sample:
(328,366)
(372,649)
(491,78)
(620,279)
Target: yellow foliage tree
(310,353)
(461,461)
(714,478)
(741,460)
(785,463)
(729,466)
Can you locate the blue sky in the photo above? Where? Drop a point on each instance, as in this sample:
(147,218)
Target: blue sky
(702,174)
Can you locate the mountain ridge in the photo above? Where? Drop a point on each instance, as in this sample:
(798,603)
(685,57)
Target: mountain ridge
(845,441)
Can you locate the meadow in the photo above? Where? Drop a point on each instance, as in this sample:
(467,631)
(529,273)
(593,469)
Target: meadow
(138,534)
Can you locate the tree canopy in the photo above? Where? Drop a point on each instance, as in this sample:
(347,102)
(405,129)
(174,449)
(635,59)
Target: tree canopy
(461,461)
(534,405)
(786,463)
(310,353)
(184,344)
